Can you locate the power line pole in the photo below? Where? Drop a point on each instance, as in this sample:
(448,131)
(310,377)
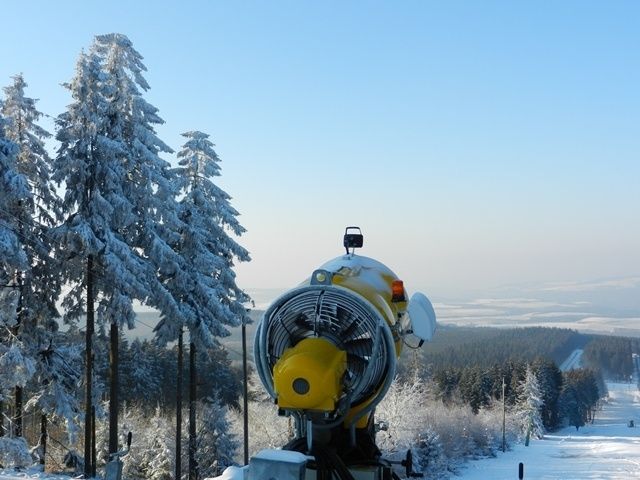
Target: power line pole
(94,453)
(245,393)
(43,438)
(179,408)
(504,418)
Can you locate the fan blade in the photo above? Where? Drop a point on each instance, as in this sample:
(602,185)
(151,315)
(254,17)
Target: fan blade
(350,330)
(302,320)
(356,364)
(359,344)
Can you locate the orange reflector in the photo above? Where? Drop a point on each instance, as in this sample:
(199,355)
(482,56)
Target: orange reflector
(397,291)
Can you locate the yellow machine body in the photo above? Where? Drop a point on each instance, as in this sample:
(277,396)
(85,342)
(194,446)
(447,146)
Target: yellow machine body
(308,376)
(373,281)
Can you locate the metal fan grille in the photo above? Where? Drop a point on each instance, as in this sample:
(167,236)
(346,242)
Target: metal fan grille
(338,316)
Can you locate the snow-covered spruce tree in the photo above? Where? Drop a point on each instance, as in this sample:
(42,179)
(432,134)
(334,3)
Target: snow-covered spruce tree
(161,452)
(97,263)
(15,190)
(37,213)
(528,408)
(116,191)
(38,283)
(550,380)
(151,454)
(216,445)
(148,187)
(58,372)
(405,411)
(139,372)
(208,294)
(571,406)
(429,454)
(16,368)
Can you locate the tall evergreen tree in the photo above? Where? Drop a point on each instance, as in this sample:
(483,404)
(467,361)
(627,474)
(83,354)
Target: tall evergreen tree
(580,395)
(34,215)
(89,245)
(475,388)
(139,371)
(38,283)
(208,293)
(148,187)
(15,191)
(550,379)
(529,405)
(117,191)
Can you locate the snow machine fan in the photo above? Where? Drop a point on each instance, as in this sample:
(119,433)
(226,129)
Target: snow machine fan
(326,351)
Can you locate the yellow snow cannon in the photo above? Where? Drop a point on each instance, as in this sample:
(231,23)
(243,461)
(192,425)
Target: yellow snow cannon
(326,350)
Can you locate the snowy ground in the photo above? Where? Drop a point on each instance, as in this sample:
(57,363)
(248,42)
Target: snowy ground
(608,449)
(29,474)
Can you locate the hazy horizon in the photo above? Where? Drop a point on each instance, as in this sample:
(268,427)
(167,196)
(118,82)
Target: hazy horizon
(609,308)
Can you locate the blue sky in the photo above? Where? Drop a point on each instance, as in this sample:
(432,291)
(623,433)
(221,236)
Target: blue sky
(476,143)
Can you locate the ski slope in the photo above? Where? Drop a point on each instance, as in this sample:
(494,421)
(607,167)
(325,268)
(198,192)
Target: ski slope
(574,361)
(608,449)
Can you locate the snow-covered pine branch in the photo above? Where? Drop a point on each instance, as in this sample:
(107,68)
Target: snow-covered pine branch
(15,191)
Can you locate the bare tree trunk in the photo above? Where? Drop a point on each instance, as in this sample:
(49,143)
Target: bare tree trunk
(94,461)
(17,418)
(193,465)
(1,419)
(43,439)
(88,403)
(179,408)
(113,388)
(245,394)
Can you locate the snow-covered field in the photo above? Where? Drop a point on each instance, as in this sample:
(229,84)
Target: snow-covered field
(608,449)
